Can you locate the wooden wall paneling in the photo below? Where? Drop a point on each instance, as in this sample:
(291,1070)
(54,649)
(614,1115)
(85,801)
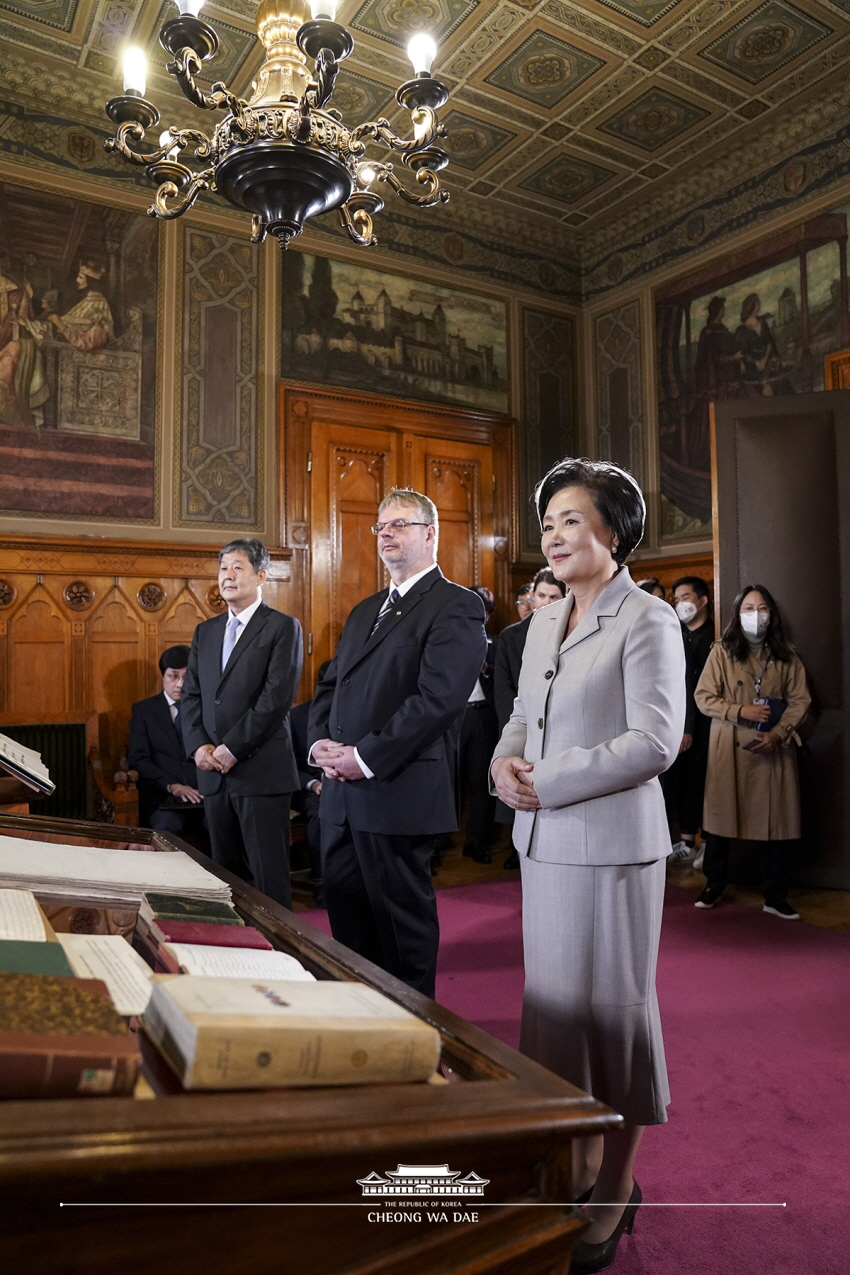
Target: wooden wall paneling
(39,664)
(116,654)
(83,622)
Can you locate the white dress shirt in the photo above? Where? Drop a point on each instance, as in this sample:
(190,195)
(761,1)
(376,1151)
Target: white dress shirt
(243,617)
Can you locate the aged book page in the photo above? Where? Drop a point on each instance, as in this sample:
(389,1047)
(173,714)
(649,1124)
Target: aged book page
(21,917)
(236,962)
(111,958)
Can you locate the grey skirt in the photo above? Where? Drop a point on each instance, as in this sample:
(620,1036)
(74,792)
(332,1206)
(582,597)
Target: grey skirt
(590,1011)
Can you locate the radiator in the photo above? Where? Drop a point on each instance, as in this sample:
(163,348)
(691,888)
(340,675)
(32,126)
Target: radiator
(64,751)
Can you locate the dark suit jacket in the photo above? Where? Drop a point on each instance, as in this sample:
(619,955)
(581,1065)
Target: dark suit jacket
(398,696)
(245,707)
(156,755)
(299,718)
(509,651)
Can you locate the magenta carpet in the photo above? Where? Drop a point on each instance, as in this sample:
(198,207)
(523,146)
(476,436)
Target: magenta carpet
(756,1016)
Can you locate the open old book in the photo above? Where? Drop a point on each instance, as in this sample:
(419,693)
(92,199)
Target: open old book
(25,764)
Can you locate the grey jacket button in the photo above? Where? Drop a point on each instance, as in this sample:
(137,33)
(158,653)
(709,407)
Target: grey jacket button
(540,722)
(549,673)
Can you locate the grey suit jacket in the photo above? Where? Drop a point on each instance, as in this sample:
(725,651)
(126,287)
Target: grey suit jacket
(600,713)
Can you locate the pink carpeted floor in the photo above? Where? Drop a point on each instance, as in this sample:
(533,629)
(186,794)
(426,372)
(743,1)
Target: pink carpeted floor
(756,1017)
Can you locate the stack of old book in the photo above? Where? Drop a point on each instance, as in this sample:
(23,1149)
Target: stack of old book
(181,935)
(62,1031)
(233,1013)
(82,875)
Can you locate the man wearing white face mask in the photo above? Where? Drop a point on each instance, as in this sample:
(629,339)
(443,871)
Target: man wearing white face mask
(753,687)
(684,783)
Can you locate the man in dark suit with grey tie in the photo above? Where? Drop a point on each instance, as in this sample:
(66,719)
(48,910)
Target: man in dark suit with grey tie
(384,727)
(243,672)
(169,800)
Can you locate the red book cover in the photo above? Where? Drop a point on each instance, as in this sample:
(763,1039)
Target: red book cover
(206,933)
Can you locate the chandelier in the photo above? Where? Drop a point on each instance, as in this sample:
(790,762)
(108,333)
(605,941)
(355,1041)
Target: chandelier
(283,154)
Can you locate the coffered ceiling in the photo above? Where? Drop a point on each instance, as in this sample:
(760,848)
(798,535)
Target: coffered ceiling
(569,123)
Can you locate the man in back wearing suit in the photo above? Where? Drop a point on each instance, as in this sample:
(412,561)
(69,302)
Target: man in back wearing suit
(169,800)
(384,727)
(243,672)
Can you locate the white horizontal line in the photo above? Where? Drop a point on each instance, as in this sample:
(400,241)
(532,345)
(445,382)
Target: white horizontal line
(374,1204)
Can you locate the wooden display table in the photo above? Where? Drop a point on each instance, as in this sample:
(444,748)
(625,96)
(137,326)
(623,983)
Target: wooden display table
(296,1155)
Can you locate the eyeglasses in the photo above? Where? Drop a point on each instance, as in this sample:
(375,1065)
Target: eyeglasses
(397,524)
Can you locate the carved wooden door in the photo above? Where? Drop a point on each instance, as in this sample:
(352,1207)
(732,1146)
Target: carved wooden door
(352,468)
(458,477)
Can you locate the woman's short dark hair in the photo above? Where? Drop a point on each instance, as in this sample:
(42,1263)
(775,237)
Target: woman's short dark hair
(615,494)
(254,550)
(651,584)
(774,639)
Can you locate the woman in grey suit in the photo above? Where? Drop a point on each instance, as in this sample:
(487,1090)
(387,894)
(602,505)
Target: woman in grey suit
(598,716)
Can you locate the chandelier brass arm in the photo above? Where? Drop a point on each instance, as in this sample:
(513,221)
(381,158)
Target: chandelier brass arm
(282,154)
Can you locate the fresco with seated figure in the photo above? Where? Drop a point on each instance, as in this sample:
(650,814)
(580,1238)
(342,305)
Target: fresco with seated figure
(78,305)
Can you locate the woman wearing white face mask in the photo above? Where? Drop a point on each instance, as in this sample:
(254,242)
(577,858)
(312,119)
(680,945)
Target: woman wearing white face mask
(753,687)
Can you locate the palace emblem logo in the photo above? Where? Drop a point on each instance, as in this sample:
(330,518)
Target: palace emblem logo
(423,1181)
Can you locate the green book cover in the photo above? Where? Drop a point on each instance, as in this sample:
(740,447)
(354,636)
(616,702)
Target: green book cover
(20,957)
(181,907)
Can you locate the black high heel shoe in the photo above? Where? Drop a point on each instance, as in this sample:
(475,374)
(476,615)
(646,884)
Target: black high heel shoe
(589,1258)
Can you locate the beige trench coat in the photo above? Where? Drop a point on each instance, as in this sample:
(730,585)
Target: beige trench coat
(750,797)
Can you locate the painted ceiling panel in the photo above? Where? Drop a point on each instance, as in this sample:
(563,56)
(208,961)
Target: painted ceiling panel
(561,108)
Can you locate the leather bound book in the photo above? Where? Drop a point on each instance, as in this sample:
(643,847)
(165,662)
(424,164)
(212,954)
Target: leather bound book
(62,1038)
(205,933)
(18,956)
(182,907)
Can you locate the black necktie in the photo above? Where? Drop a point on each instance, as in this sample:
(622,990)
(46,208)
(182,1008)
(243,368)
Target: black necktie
(178,727)
(385,610)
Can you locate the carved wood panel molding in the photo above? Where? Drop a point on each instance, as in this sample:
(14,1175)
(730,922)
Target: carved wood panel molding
(84,624)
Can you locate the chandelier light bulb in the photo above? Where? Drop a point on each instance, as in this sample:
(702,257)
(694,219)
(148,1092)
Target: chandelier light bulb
(135,71)
(323,9)
(189,6)
(366,174)
(421,50)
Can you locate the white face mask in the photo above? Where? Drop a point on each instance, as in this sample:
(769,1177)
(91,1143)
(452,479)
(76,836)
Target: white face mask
(754,623)
(686,611)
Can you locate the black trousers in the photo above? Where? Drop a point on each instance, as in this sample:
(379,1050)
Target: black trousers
(307,804)
(684,784)
(250,837)
(775,856)
(381,901)
(192,820)
(479,734)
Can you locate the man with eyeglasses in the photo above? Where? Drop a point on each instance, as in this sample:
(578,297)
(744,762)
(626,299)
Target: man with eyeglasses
(384,728)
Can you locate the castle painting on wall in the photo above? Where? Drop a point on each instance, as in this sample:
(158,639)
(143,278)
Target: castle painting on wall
(78,315)
(366,329)
(755,325)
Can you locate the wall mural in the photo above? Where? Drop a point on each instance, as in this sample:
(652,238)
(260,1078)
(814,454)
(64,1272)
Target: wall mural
(78,309)
(753,326)
(369,330)
(221,429)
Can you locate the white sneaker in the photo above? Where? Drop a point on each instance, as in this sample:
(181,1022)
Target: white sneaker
(682,851)
(697,865)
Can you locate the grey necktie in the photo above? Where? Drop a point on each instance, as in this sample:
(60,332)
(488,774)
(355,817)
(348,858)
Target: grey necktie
(229,640)
(385,610)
